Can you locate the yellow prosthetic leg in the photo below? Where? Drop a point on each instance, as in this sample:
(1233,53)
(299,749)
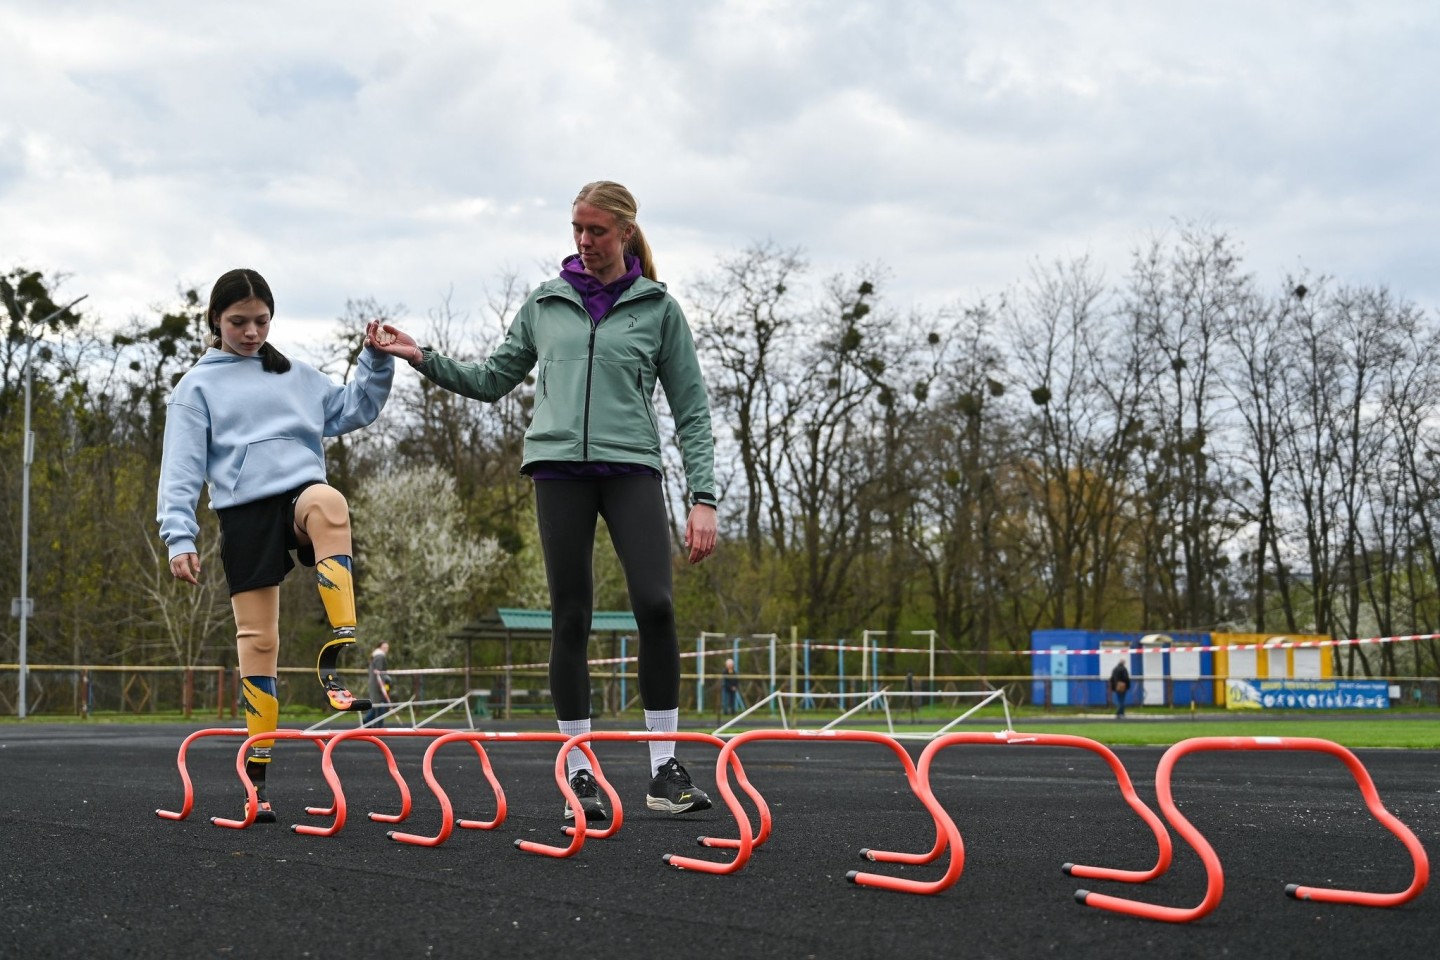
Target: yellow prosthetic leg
(337,591)
(257,643)
(323,517)
(262,715)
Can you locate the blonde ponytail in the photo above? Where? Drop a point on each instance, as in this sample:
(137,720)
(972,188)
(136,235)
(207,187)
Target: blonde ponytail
(614,199)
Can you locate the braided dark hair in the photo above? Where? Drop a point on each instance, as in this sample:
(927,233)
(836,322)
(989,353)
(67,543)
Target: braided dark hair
(233,287)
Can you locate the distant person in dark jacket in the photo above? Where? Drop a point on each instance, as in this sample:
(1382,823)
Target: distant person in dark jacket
(1120,686)
(730,688)
(379,685)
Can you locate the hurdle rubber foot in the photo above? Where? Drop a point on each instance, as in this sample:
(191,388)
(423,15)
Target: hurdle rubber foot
(517,844)
(865,854)
(1292,890)
(851,875)
(1081,895)
(1067,868)
(667,857)
(701,841)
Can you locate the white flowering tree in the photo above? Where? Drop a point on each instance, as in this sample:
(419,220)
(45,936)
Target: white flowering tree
(418,568)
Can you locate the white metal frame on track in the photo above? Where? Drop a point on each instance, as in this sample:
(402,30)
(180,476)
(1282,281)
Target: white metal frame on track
(446,706)
(881,697)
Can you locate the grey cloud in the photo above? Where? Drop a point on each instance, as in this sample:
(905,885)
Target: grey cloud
(374,150)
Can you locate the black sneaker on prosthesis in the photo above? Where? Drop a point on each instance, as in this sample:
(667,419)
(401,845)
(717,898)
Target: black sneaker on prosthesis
(340,698)
(264,813)
(672,792)
(587,790)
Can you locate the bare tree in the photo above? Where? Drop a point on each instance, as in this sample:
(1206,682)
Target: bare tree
(1184,298)
(746,325)
(1258,353)
(824,466)
(1086,385)
(966,457)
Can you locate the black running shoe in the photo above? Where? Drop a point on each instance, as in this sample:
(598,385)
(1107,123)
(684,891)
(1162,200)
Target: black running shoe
(672,792)
(340,698)
(265,813)
(588,791)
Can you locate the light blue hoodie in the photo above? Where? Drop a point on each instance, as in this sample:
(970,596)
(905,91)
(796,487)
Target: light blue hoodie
(252,434)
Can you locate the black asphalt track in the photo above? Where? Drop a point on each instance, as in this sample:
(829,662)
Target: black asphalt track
(90,871)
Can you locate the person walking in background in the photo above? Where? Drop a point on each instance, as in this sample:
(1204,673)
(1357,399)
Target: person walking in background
(1120,685)
(601,336)
(379,685)
(250,423)
(730,688)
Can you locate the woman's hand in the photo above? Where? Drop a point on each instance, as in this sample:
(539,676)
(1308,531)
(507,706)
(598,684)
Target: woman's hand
(186,566)
(700,532)
(397,343)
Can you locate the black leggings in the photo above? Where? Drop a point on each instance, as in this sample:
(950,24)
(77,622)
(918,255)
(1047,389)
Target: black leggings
(634,511)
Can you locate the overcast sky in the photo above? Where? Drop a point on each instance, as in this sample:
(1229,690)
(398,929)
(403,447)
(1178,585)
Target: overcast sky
(407,151)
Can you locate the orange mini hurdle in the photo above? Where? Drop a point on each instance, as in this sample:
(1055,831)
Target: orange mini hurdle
(251,802)
(327,768)
(448,820)
(945,832)
(578,832)
(1122,780)
(1214,874)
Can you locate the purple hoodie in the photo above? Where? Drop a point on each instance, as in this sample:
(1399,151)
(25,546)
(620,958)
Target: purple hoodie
(598,297)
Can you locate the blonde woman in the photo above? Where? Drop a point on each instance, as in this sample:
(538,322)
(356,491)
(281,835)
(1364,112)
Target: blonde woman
(600,337)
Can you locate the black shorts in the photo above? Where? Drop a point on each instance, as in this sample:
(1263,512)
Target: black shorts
(256,539)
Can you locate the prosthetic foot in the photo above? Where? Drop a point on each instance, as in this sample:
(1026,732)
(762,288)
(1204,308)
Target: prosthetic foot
(264,812)
(325,667)
(337,592)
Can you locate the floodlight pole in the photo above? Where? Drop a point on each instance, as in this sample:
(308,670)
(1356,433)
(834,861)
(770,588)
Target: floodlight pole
(29,458)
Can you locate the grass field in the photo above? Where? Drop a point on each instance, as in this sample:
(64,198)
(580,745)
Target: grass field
(1399,728)
(1415,733)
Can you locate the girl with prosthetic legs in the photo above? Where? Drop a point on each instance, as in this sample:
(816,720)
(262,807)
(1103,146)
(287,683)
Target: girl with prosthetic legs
(249,424)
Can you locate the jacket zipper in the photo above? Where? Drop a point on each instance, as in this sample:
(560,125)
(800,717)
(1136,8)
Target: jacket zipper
(589,378)
(590,372)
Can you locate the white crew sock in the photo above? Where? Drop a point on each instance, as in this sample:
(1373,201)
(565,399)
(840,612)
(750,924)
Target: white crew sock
(575,759)
(661,721)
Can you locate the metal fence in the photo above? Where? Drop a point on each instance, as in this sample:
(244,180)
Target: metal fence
(213,691)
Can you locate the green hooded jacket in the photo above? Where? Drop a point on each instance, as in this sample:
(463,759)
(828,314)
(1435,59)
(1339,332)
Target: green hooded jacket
(596,382)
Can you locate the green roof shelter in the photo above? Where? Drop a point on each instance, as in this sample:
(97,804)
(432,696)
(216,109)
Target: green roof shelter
(507,623)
